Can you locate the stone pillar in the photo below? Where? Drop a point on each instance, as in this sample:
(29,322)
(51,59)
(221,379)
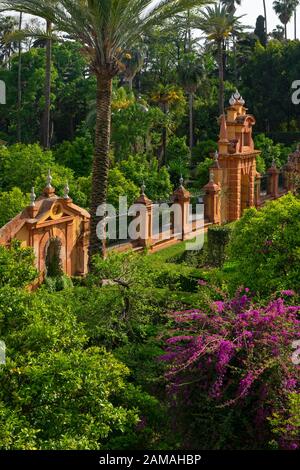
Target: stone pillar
(147,219)
(212,207)
(273,182)
(182,197)
(69,247)
(257,189)
(289,172)
(234,190)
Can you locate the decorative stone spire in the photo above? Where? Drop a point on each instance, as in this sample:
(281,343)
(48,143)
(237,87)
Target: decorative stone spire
(33,210)
(49,191)
(49,179)
(223,130)
(236,98)
(143,199)
(66,191)
(211,176)
(32,197)
(181,181)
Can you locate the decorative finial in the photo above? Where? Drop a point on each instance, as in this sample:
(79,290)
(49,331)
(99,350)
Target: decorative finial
(237,95)
(242,101)
(66,190)
(273,163)
(143,187)
(211,176)
(32,197)
(216,156)
(232,100)
(49,179)
(181,181)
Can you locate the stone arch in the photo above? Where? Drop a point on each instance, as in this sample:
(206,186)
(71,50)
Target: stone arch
(44,245)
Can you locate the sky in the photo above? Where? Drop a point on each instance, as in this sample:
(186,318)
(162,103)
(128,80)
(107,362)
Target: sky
(253,8)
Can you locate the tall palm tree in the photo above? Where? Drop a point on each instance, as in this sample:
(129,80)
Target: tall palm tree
(218,24)
(105,29)
(19,124)
(166,96)
(231,5)
(133,62)
(284,9)
(190,71)
(295,18)
(45,138)
(8,25)
(266,21)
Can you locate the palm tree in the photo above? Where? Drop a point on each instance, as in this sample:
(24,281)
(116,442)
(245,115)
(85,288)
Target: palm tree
(105,29)
(190,71)
(284,10)
(231,5)
(133,62)
(8,25)
(166,96)
(265,15)
(295,19)
(218,24)
(46,116)
(19,124)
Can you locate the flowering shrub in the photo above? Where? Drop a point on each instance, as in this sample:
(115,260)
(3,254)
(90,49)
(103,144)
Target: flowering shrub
(235,360)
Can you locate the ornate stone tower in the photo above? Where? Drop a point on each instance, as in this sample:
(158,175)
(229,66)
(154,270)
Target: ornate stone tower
(234,170)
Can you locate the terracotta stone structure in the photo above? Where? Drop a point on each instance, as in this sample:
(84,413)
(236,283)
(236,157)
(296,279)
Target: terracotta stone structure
(233,176)
(48,222)
(291,171)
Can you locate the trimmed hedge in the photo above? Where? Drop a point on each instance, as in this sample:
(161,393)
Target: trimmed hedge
(217,240)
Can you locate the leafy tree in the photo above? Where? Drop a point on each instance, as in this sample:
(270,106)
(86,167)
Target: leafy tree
(16,266)
(157,180)
(260,30)
(178,156)
(202,172)
(11,203)
(20,165)
(29,113)
(265,247)
(134,129)
(77,155)
(271,151)
(120,186)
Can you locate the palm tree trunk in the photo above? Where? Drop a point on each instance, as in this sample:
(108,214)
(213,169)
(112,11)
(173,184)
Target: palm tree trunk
(19,124)
(46,117)
(285,31)
(266,22)
(221,78)
(100,162)
(191,109)
(295,23)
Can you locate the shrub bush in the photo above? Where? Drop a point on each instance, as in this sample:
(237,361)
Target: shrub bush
(265,247)
(217,240)
(230,370)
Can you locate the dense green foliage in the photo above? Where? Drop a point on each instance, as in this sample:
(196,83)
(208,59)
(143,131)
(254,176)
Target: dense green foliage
(265,247)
